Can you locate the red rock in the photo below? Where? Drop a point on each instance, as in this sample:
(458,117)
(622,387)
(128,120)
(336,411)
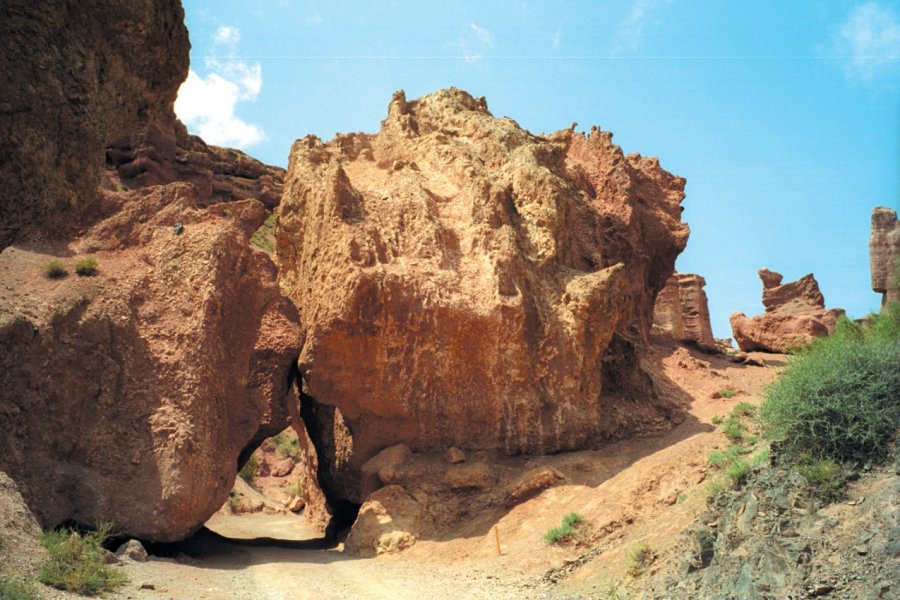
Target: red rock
(795,315)
(884,255)
(74,78)
(464,282)
(388,522)
(682,310)
(133,392)
(283,468)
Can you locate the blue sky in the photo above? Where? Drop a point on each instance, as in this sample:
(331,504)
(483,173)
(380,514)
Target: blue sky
(783,116)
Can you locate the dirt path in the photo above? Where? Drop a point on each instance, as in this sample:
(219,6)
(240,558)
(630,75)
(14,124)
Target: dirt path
(640,490)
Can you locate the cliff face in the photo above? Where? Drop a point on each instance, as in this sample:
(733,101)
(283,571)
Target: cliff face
(795,315)
(76,75)
(884,255)
(682,310)
(464,282)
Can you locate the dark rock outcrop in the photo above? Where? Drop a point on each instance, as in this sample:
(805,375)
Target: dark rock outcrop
(464,282)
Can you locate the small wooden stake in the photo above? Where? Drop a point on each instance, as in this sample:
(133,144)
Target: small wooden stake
(497,538)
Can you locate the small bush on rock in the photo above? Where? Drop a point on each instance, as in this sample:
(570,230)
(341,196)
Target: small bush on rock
(639,557)
(248,471)
(86,267)
(824,478)
(11,589)
(565,531)
(55,270)
(838,400)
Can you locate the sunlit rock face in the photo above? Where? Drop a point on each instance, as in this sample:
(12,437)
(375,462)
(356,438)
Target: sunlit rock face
(463,282)
(884,255)
(682,310)
(795,316)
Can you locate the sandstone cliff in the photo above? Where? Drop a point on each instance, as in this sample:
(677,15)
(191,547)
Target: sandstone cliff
(464,282)
(682,310)
(884,255)
(74,76)
(795,315)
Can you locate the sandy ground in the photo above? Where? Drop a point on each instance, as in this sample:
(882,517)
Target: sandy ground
(645,490)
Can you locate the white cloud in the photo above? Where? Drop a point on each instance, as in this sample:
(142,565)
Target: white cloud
(869,40)
(207,104)
(484,36)
(631,30)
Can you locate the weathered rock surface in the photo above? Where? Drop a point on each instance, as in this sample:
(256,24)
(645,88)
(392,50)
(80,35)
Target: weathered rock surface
(128,396)
(74,76)
(387,523)
(682,310)
(884,255)
(162,152)
(795,315)
(464,282)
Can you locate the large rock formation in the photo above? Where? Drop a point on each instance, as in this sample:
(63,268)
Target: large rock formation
(682,310)
(884,255)
(464,282)
(162,151)
(129,395)
(73,76)
(795,315)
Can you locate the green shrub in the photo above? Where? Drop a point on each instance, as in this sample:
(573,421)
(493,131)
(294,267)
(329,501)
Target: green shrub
(727,393)
(743,409)
(55,270)
(838,400)
(737,470)
(734,429)
(565,531)
(296,489)
(287,445)
(824,478)
(759,458)
(639,557)
(718,420)
(75,562)
(248,470)
(11,589)
(86,267)
(718,484)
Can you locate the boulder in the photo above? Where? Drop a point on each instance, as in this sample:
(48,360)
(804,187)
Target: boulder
(884,255)
(133,550)
(795,316)
(388,522)
(464,282)
(682,310)
(75,77)
(128,396)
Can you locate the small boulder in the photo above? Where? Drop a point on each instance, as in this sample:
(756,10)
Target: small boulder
(390,457)
(388,522)
(455,456)
(474,475)
(133,550)
(283,468)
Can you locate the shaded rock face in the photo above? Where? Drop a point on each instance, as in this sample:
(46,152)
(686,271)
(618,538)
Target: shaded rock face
(464,282)
(129,395)
(76,75)
(682,310)
(162,152)
(884,255)
(795,315)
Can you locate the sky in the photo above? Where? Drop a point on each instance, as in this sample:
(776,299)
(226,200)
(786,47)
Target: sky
(784,117)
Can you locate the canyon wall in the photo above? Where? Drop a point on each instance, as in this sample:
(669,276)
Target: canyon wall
(884,255)
(682,310)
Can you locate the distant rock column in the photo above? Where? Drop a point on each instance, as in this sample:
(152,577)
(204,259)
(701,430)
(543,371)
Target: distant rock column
(884,255)
(682,310)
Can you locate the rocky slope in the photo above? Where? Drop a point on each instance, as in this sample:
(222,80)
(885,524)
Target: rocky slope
(795,315)
(884,254)
(682,310)
(462,281)
(76,75)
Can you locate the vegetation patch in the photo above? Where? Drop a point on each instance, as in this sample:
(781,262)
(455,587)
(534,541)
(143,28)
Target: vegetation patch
(55,270)
(287,445)
(264,237)
(12,589)
(727,393)
(838,400)
(639,557)
(566,530)
(86,267)
(248,470)
(296,489)
(743,409)
(825,478)
(734,429)
(75,562)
